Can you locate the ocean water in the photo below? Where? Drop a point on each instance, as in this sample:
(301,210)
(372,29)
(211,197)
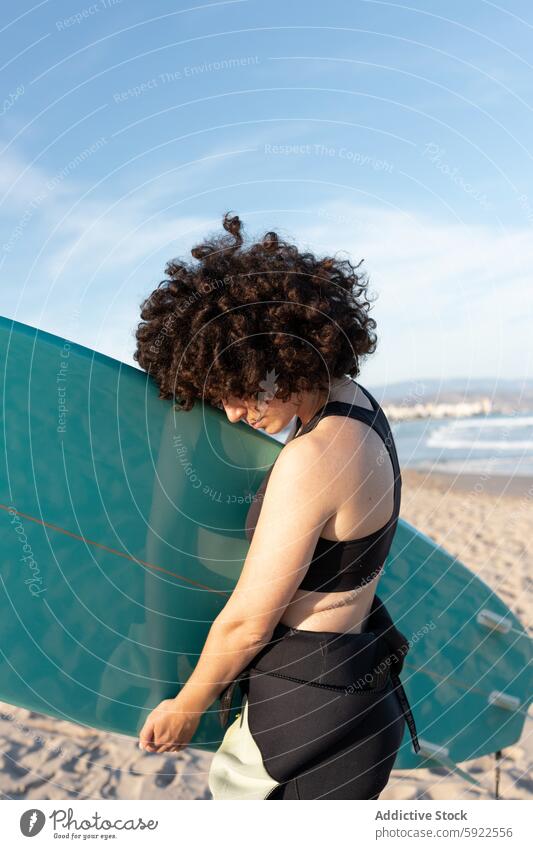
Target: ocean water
(493,444)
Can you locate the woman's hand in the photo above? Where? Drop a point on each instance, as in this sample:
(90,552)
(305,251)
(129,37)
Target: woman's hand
(169,727)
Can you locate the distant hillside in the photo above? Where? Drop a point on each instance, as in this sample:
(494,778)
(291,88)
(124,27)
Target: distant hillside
(504,395)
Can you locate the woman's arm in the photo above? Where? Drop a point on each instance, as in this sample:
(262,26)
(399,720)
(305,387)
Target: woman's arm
(255,507)
(298,501)
(296,506)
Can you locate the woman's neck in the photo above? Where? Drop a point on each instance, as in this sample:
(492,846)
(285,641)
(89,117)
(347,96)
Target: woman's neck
(316,400)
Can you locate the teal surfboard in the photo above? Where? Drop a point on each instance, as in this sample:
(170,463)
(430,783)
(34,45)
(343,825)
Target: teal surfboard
(122,535)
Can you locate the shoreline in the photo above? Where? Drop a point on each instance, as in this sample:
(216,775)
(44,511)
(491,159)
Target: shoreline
(507,486)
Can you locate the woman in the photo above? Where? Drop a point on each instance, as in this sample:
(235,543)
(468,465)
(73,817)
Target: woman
(274,337)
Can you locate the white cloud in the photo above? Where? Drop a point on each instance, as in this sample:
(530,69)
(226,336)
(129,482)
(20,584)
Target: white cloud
(445,289)
(17,192)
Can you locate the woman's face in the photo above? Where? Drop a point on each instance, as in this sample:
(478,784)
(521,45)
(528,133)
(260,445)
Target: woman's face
(270,415)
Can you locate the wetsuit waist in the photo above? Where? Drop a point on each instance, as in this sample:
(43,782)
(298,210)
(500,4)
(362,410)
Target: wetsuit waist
(346,663)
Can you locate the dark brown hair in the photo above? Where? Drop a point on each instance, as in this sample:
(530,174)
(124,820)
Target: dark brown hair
(220,327)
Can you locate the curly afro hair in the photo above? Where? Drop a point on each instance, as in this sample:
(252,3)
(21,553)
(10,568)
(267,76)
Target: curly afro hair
(218,328)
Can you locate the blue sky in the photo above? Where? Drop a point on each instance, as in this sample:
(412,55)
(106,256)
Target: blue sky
(397,134)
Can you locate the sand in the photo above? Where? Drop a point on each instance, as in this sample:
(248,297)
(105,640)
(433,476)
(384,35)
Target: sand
(487,524)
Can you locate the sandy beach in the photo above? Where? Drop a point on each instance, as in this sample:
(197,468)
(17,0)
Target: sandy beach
(486,523)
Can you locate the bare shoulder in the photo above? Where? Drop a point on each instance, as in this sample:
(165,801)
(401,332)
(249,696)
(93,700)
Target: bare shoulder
(333,434)
(304,464)
(343,449)
(296,472)
(299,456)
(300,460)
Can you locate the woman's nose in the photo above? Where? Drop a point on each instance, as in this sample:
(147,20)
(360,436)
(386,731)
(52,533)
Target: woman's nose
(235,412)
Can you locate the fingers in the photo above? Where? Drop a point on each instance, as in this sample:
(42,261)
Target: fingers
(160,734)
(154,744)
(166,747)
(150,741)
(146,734)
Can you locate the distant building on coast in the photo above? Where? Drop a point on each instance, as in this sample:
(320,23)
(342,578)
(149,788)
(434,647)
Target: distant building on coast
(460,409)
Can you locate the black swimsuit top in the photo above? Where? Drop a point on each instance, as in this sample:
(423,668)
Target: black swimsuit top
(349,564)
